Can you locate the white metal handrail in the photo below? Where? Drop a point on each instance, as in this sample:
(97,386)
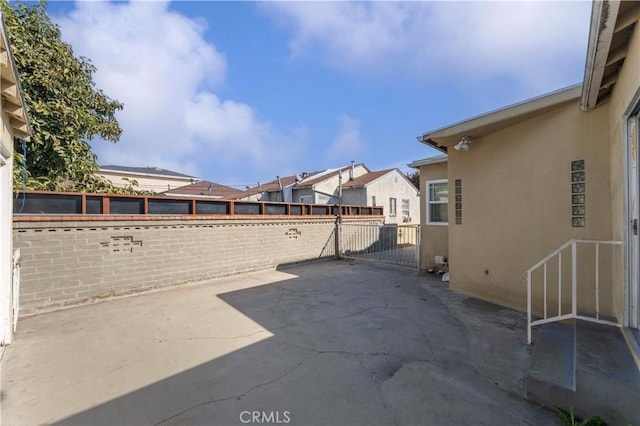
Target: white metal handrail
(574,285)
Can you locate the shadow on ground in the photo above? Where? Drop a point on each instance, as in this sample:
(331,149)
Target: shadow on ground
(329,343)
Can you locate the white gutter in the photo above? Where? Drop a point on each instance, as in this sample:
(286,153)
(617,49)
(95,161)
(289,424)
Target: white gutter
(430,160)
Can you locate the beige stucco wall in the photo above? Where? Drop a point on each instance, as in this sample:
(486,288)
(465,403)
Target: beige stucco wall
(516,199)
(434,240)
(626,87)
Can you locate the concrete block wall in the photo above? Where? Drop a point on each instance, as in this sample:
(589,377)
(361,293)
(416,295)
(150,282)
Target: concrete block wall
(68,263)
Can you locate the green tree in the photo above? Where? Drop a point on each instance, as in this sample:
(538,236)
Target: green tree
(414,177)
(65,108)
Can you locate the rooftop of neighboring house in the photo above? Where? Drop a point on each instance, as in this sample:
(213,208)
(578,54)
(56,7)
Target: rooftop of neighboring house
(318,177)
(365,179)
(154,171)
(204,188)
(266,187)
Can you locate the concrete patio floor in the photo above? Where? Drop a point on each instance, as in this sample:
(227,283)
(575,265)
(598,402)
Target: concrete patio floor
(330,343)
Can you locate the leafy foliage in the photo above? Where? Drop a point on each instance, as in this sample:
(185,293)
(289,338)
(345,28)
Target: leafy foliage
(569,419)
(414,177)
(65,107)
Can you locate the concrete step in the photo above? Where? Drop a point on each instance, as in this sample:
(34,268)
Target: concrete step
(551,372)
(586,366)
(607,377)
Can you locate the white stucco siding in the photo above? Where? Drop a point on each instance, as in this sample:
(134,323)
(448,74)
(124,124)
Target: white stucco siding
(6,201)
(355,197)
(394,185)
(304,195)
(330,185)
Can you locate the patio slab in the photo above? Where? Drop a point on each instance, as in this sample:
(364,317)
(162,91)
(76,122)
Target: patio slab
(330,343)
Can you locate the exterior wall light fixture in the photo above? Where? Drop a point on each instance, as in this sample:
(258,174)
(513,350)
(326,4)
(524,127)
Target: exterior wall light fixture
(463,145)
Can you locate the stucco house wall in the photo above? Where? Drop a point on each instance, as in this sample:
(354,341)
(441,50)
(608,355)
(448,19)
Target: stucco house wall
(329,185)
(303,195)
(516,199)
(395,185)
(434,239)
(357,197)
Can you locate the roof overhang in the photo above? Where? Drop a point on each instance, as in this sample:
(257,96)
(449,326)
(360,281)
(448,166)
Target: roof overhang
(13,103)
(438,159)
(611,26)
(148,175)
(482,125)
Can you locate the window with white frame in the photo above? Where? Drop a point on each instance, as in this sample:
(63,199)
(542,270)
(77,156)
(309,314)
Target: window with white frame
(392,207)
(437,202)
(405,207)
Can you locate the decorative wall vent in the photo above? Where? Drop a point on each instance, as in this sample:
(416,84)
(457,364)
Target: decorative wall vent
(578,191)
(458,195)
(121,244)
(293,233)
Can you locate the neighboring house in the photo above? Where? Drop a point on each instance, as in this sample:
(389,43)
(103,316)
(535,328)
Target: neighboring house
(204,189)
(148,178)
(14,124)
(310,188)
(388,188)
(322,187)
(278,189)
(434,213)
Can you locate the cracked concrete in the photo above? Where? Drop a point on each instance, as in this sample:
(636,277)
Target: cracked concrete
(328,343)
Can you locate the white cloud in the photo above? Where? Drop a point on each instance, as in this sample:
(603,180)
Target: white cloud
(158,63)
(534,44)
(348,144)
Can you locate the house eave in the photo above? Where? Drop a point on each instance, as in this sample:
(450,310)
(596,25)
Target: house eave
(603,17)
(481,125)
(611,25)
(151,175)
(427,161)
(12,95)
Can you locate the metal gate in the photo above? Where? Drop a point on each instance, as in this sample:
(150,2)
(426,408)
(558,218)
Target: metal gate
(396,244)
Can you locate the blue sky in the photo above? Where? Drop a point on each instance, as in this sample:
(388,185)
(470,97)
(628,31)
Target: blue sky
(239,92)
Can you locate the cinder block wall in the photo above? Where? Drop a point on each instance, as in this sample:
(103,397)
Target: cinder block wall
(68,263)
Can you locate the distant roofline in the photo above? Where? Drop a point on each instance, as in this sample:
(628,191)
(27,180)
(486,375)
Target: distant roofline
(153,171)
(378,174)
(429,160)
(314,179)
